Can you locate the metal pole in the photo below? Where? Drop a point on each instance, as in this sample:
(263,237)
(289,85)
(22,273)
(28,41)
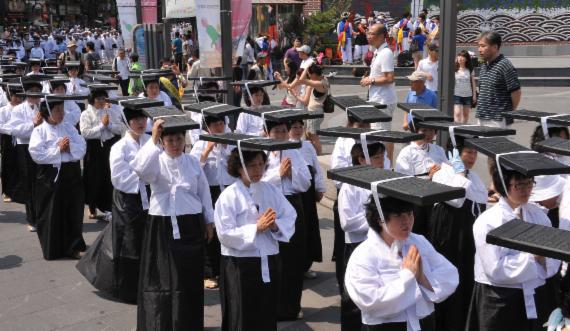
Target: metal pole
(227,46)
(447,51)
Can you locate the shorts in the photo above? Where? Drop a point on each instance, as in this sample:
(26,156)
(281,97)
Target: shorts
(389,110)
(463,101)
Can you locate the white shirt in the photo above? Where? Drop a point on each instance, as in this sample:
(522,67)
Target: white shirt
(426,65)
(74,86)
(340,156)
(36,53)
(122,66)
(216,165)
(197,71)
(383,62)
(352,214)
(505,267)
(178,185)
(236,214)
(300,180)
(309,154)
(387,293)
(91,127)
(21,122)
(249,124)
(417,160)
(475,189)
(3,98)
(249,53)
(43,144)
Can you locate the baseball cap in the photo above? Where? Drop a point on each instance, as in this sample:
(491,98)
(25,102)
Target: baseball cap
(305,49)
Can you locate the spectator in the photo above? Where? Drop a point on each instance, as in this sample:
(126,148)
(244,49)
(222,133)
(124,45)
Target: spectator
(37,52)
(291,71)
(249,56)
(465,90)
(135,85)
(402,31)
(257,71)
(292,54)
(306,61)
(92,60)
(317,89)
(197,71)
(419,94)
(344,32)
(418,40)
(382,88)
(71,54)
(429,67)
(177,49)
(499,87)
(433,37)
(121,64)
(360,42)
(186,48)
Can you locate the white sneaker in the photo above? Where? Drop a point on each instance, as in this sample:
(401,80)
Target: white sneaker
(108,216)
(32,228)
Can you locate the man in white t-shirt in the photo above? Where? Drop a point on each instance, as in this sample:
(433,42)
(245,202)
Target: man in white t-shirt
(429,67)
(306,61)
(381,78)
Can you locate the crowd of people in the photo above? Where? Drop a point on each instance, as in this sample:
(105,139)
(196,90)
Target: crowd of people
(187,213)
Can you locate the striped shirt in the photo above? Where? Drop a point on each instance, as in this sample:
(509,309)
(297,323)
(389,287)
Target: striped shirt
(497,80)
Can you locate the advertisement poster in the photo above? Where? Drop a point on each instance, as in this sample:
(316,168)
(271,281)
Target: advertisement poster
(149,11)
(140,46)
(180,8)
(128,20)
(209,32)
(241,16)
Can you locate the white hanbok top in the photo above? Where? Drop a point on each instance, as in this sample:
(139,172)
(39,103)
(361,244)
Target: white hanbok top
(43,144)
(123,176)
(72,112)
(352,214)
(417,160)
(178,185)
(5,114)
(249,124)
(505,267)
(92,128)
(300,180)
(309,154)
(21,122)
(236,214)
(216,164)
(387,293)
(475,189)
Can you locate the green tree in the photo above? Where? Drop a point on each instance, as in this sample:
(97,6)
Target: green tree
(323,24)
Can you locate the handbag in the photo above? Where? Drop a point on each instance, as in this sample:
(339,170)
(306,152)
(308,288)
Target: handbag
(328,105)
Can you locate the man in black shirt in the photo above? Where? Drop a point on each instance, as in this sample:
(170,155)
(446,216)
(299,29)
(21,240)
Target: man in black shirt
(499,87)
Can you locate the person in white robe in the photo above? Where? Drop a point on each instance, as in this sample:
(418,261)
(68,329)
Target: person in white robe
(248,123)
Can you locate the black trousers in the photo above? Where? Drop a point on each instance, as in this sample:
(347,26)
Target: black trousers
(350,315)
(124,83)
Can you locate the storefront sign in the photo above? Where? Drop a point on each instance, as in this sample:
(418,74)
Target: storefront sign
(180,8)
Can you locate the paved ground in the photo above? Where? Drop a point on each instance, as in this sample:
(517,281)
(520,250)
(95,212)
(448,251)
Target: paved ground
(40,295)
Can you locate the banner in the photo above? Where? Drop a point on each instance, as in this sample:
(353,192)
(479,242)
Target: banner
(209,33)
(140,46)
(128,20)
(149,11)
(241,16)
(180,8)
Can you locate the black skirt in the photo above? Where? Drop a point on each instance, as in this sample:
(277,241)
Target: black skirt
(212,251)
(171,285)
(59,210)
(314,246)
(97,174)
(9,165)
(293,266)
(247,302)
(112,263)
(451,234)
(350,315)
(496,308)
(338,248)
(24,188)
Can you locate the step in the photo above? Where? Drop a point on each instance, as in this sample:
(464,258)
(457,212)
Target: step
(525,81)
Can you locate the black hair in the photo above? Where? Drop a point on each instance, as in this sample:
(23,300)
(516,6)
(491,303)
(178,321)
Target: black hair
(234,162)
(239,60)
(95,94)
(253,90)
(296,121)
(390,206)
(315,69)
(55,85)
(422,16)
(293,68)
(209,85)
(538,134)
(508,175)
(271,124)
(491,38)
(90,45)
(134,57)
(459,141)
(44,109)
(163,60)
(468,64)
(213,119)
(418,31)
(356,152)
(177,34)
(406,14)
(196,53)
